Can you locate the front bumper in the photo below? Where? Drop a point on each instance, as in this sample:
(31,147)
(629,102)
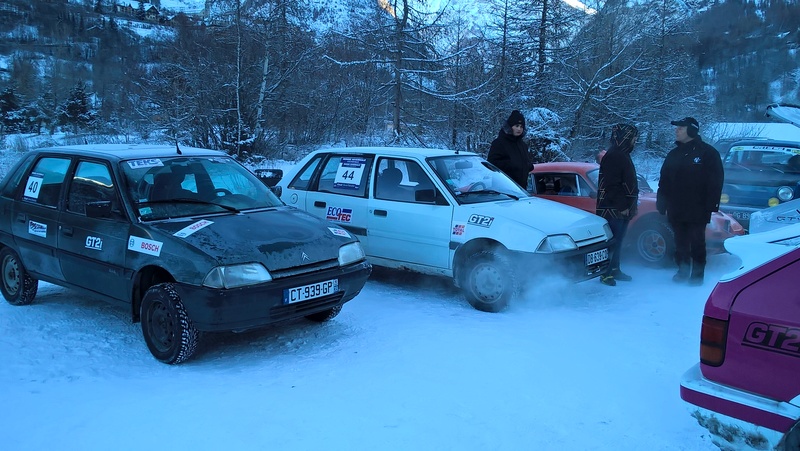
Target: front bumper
(571,264)
(259,305)
(735,417)
(741,214)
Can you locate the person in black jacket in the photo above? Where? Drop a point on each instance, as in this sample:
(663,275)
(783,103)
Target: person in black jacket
(618,194)
(509,152)
(688,192)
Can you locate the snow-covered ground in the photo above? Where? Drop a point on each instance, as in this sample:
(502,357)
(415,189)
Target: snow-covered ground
(407,365)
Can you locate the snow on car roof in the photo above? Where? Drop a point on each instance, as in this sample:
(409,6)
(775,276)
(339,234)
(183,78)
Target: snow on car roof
(404,151)
(127,151)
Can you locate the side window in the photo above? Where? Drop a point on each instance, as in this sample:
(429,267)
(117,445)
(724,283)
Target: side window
(91,183)
(400,180)
(345,174)
(303,178)
(44,182)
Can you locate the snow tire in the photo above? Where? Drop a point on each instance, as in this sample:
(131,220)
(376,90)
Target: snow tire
(325,315)
(489,281)
(166,327)
(17,286)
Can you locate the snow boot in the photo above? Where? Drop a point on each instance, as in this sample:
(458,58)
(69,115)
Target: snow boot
(683,273)
(698,272)
(608,279)
(619,275)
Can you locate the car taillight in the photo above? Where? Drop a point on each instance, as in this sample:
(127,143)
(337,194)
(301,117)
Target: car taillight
(713,336)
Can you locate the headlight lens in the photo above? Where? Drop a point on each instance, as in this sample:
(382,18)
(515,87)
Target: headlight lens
(237,276)
(557,243)
(785,193)
(351,253)
(607,229)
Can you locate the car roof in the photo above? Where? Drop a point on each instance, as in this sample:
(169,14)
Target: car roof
(565,166)
(764,142)
(118,152)
(396,151)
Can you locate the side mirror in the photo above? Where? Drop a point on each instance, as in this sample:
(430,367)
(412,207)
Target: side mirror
(269,177)
(429,196)
(98,209)
(276,190)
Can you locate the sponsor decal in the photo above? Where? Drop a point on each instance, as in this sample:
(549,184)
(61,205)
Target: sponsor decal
(37,228)
(348,175)
(144,246)
(93,242)
(339,232)
(33,186)
(190,229)
(339,214)
(458,229)
(145,163)
(480,220)
(773,338)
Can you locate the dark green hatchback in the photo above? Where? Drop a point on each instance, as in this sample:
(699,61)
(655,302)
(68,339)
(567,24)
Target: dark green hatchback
(188,239)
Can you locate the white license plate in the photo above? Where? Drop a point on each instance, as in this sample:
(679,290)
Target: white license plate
(312,291)
(596,257)
(744,215)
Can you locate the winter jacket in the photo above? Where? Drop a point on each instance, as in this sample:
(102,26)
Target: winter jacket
(691,182)
(618,188)
(510,154)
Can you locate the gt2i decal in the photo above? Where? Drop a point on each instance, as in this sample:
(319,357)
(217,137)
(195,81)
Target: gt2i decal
(339,214)
(144,246)
(349,173)
(339,232)
(480,220)
(190,229)
(93,242)
(37,228)
(33,186)
(773,337)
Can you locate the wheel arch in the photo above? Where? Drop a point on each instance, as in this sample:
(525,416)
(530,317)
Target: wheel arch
(465,250)
(144,279)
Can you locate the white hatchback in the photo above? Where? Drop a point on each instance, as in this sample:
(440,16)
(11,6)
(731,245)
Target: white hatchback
(448,213)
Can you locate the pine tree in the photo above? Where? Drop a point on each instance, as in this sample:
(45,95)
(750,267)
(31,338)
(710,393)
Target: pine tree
(10,111)
(76,111)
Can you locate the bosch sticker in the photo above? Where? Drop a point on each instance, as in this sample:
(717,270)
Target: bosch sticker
(145,163)
(348,175)
(458,229)
(33,186)
(144,246)
(773,337)
(480,220)
(339,232)
(339,214)
(37,228)
(190,229)
(93,242)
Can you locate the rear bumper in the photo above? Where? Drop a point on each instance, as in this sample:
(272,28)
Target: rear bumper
(735,417)
(740,214)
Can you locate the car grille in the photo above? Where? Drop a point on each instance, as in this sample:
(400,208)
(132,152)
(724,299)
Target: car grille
(306,269)
(590,241)
(306,307)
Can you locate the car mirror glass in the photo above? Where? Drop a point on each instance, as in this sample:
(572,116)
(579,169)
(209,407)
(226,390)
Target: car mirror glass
(98,209)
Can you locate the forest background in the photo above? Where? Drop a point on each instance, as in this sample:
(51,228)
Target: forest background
(277,78)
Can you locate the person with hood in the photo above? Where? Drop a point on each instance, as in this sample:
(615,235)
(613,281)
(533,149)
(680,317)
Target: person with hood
(509,152)
(688,192)
(618,194)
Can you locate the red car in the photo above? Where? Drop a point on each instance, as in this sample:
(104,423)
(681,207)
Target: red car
(649,235)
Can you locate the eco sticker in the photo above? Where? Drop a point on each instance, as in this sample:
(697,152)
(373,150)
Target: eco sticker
(339,214)
(480,220)
(145,163)
(37,228)
(348,175)
(144,246)
(33,186)
(93,242)
(190,229)
(339,232)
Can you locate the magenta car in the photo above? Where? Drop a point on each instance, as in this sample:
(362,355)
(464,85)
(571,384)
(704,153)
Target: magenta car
(746,388)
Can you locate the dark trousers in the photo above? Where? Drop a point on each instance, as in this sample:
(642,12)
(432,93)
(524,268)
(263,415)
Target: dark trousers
(618,227)
(690,242)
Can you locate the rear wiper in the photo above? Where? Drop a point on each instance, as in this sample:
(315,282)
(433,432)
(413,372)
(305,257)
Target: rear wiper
(488,191)
(183,200)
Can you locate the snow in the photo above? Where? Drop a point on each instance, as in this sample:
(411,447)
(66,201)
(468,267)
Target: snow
(408,364)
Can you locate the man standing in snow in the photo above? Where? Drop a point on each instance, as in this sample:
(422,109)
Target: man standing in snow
(509,152)
(618,194)
(688,192)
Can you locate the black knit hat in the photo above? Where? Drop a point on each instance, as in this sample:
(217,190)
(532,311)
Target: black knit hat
(691,124)
(516,118)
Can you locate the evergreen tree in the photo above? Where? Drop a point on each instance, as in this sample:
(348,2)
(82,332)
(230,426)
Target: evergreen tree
(10,111)
(76,111)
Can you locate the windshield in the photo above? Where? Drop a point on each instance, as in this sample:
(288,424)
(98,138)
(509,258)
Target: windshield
(472,179)
(171,187)
(764,158)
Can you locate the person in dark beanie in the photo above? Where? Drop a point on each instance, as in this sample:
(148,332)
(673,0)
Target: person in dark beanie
(618,194)
(509,152)
(688,192)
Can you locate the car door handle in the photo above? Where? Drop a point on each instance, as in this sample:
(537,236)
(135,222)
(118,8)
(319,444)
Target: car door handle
(66,231)
(380,213)
(319,203)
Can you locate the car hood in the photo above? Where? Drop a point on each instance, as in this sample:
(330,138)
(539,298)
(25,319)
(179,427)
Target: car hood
(549,217)
(279,238)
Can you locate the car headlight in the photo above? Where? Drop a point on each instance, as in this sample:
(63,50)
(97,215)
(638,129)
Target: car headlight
(785,193)
(237,276)
(351,253)
(557,243)
(607,229)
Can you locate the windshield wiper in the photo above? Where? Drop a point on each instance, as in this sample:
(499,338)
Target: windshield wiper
(488,191)
(182,200)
